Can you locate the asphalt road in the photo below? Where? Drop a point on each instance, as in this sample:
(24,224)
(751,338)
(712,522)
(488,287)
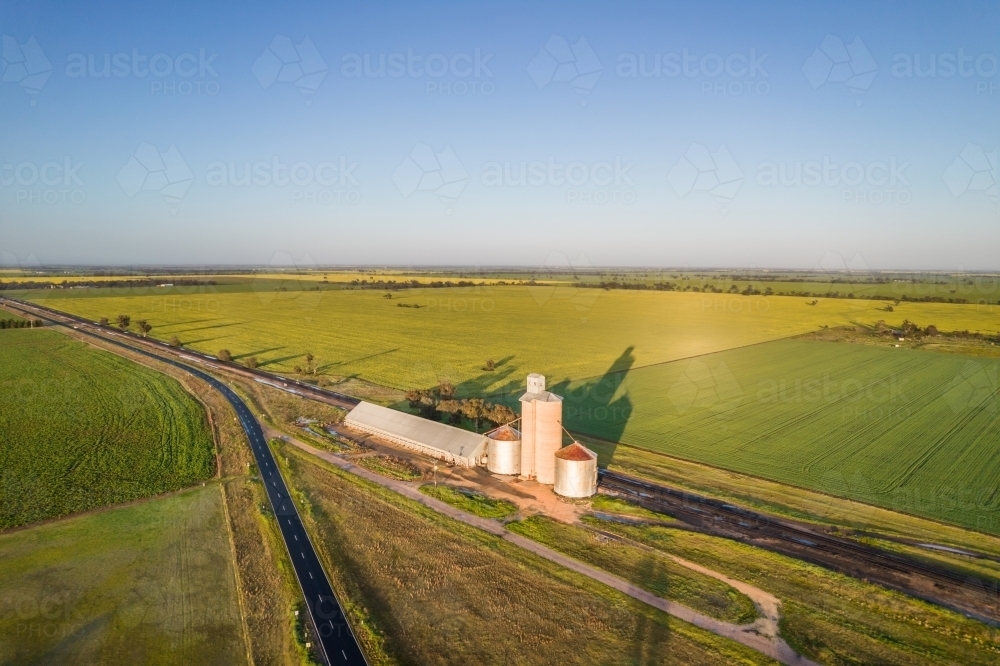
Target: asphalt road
(336,638)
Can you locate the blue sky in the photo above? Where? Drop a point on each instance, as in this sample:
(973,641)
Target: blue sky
(692,164)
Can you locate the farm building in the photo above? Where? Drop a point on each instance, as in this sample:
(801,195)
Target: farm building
(438,440)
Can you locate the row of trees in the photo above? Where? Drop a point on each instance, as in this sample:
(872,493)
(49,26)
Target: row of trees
(20,323)
(411,284)
(226,356)
(99,284)
(440,402)
(124,322)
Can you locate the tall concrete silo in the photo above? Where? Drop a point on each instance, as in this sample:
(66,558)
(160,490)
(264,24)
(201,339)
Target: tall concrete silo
(541,430)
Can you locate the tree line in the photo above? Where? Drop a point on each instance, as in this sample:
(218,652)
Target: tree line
(20,323)
(124,322)
(440,403)
(393,285)
(51,284)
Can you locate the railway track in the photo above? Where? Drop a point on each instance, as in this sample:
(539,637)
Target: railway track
(973,596)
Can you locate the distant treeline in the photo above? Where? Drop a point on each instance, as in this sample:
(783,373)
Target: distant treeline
(836,280)
(673,286)
(614,284)
(913,330)
(393,285)
(20,323)
(876,297)
(750,290)
(102,283)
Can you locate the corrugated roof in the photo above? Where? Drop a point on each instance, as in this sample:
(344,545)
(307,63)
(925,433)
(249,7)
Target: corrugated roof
(543,396)
(457,442)
(575,451)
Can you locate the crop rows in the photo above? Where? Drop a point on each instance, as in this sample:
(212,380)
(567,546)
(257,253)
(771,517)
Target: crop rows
(84,428)
(563,332)
(907,430)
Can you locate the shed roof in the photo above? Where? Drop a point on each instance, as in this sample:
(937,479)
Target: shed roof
(459,443)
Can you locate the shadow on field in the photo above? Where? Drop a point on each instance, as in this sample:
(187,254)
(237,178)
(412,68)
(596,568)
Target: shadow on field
(501,374)
(206,328)
(282,359)
(186,323)
(652,637)
(256,353)
(357,360)
(591,407)
(198,341)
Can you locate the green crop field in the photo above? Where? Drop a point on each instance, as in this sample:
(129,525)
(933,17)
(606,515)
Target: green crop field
(10,316)
(564,332)
(150,583)
(908,430)
(83,428)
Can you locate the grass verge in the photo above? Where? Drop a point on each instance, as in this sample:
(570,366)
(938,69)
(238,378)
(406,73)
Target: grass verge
(469,500)
(152,582)
(831,618)
(649,570)
(425,589)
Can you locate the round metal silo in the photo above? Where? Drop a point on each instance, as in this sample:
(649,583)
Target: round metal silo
(575,471)
(504,451)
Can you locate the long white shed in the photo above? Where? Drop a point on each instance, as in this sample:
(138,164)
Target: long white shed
(439,440)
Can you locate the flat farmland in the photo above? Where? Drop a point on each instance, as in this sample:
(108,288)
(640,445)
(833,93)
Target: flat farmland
(564,332)
(83,428)
(8,315)
(907,430)
(150,583)
(427,589)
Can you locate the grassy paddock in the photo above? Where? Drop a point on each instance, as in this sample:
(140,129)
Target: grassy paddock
(424,589)
(785,500)
(574,333)
(616,505)
(149,583)
(268,589)
(906,430)
(84,428)
(829,617)
(390,466)
(650,571)
(474,502)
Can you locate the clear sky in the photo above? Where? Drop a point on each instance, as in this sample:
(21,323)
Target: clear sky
(674,134)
